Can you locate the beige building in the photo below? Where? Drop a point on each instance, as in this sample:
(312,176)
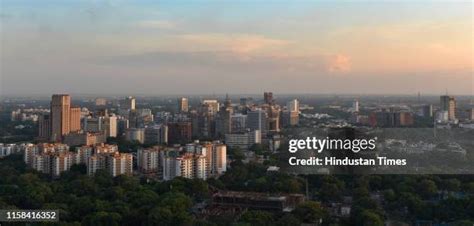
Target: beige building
(75,122)
(60,116)
(183,104)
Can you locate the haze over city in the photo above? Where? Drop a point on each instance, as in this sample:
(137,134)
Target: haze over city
(164,47)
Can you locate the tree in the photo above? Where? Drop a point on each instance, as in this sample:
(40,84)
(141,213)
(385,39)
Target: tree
(310,212)
(257,218)
(427,188)
(102,219)
(369,218)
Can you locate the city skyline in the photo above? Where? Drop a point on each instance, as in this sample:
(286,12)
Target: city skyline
(110,47)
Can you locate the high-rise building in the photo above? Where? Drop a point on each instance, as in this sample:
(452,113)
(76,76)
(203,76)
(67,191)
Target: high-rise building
(156,134)
(60,116)
(128,103)
(183,105)
(223,121)
(355,106)
(114,163)
(44,127)
(219,159)
(105,124)
(291,116)
(243,140)
(179,132)
(448,103)
(268,98)
(75,119)
(427,110)
(238,123)
(148,160)
(100,102)
(471,115)
(212,106)
(257,120)
(293,105)
(195,160)
(119,163)
(135,134)
(273,120)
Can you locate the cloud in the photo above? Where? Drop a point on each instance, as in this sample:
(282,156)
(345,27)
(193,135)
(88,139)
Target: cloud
(156,24)
(339,64)
(238,43)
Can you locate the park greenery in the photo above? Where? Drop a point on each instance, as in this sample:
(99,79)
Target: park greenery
(127,200)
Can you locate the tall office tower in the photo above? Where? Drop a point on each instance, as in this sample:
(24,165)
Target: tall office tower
(156,134)
(122,126)
(183,104)
(75,119)
(268,97)
(355,106)
(257,120)
(224,122)
(148,160)
(60,116)
(129,103)
(293,105)
(273,120)
(427,110)
(471,115)
(44,126)
(212,106)
(238,123)
(448,103)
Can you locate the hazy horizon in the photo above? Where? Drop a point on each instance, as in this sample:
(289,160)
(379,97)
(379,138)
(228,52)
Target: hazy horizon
(206,47)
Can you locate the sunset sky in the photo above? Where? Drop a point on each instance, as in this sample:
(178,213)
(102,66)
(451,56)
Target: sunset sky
(203,47)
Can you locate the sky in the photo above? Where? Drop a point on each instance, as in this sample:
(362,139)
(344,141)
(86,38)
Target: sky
(205,47)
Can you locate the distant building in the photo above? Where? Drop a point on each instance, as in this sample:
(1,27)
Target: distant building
(243,140)
(179,132)
(389,118)
(60,116)
(84,138)
(257,119)
(44,127)
(355,106)
(238,123)
(115,164)
(106,124)
(156,134)
(196,161)
(427,111)
(100,102)
(183,105)
(75,119)
(135,134)
(128,103)
(268,98)
(148,160)
(448,103)
(211,105)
